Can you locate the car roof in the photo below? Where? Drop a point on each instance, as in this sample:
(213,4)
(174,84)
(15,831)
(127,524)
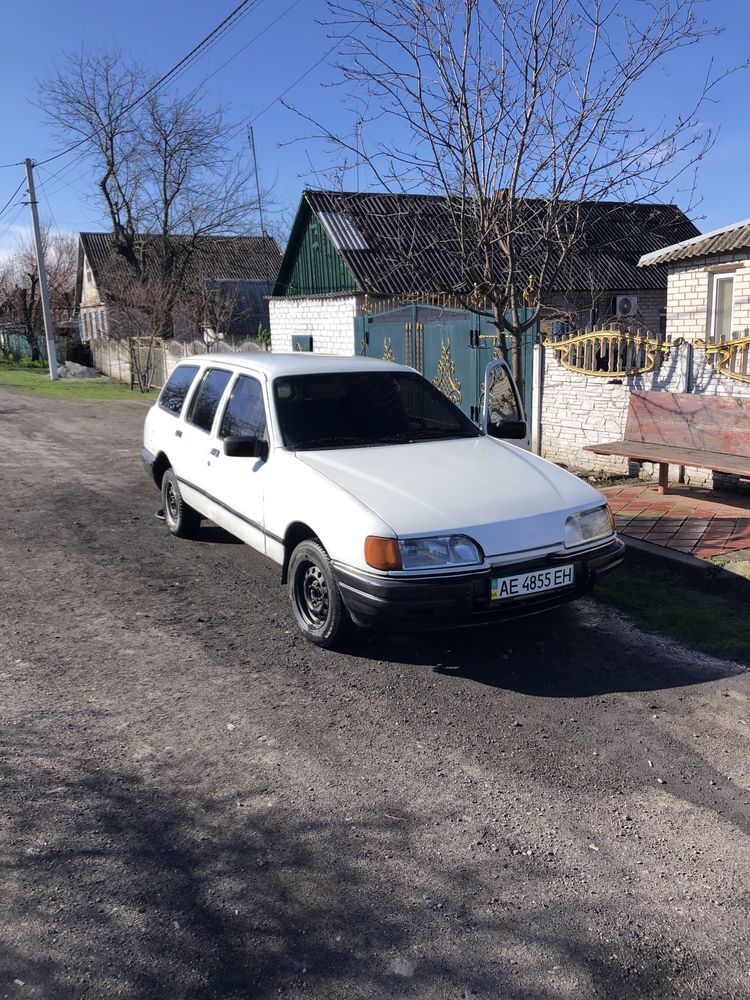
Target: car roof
(298,363)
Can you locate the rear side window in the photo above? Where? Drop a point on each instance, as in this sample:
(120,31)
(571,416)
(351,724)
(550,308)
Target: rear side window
(174,392)
(206,400)
(245,414)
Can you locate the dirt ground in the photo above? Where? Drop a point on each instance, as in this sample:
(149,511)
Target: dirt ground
(198,804)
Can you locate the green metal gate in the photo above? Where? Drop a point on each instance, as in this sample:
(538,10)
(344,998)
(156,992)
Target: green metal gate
(450,347)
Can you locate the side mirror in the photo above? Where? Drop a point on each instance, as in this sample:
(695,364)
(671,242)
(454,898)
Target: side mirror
(246,447)
(514,430)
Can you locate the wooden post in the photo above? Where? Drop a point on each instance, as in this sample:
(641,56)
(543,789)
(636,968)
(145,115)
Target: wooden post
(663,486)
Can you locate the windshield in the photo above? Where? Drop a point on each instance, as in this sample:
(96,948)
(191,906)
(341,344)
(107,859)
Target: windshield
(362,409)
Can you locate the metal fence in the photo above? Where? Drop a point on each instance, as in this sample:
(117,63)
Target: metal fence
(610,351)
(730,356)
(16,346)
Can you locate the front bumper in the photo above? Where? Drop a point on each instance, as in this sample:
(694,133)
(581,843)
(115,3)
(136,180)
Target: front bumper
(402,604)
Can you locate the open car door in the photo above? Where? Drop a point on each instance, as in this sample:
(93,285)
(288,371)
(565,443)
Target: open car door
(502,410)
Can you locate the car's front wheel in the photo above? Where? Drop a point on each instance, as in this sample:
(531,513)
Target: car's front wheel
(181,519)
(314,596)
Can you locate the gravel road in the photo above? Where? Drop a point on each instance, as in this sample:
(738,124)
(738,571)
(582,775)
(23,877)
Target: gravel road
(197,804)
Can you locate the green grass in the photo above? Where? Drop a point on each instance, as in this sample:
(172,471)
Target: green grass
(700,611)
(35,378)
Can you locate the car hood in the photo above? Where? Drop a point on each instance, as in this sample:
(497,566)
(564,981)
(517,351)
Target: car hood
(505,498)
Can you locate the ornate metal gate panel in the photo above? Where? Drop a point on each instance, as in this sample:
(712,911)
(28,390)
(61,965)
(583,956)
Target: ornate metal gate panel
(450,347)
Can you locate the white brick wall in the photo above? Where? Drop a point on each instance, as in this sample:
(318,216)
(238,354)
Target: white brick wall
(111,357)
(580,410)
(330,322)
(688,295)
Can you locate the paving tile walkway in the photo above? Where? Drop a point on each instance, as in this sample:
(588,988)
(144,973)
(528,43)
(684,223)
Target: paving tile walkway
(702,523)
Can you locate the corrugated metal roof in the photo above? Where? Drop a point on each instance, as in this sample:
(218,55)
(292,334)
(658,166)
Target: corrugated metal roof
(720,241)
(342,231)
(219,258)
(413,244)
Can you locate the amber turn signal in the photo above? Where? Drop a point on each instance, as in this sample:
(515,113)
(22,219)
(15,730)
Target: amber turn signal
(382,553)
(611,517)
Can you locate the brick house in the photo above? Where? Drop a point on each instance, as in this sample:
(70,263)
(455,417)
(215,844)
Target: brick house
(708,323)
(349,254)
(708,284)
(235,274)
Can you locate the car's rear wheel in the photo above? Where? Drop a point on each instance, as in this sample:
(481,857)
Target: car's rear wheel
(181,519)
(314,596)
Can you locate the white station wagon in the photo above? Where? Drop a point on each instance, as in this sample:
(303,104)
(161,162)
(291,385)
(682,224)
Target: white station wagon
(383,504)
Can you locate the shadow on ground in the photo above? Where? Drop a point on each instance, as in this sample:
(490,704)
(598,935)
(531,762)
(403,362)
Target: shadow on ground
(120,883)
(575,651)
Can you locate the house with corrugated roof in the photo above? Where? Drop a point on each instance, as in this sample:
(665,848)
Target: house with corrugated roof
(708,286)
(350,254)
(385,275)
(705,352)
(239,270)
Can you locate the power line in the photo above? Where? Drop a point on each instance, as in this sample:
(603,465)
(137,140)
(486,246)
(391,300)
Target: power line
(60,174)
(12,223)
(230,19)
(251,119)
(181,72)
(253,39)
(7,203)
(243,122)
(66,169)
(49,206)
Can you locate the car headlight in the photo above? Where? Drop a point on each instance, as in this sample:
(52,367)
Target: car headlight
(442,550)
(437,552)
(588,526)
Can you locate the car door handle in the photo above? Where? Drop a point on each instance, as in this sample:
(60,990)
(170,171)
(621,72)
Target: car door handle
(215,452)
(178,434)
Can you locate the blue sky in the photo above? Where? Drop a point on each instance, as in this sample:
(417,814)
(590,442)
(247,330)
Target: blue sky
(159,32)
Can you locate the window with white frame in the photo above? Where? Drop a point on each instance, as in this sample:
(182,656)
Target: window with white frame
(722,302)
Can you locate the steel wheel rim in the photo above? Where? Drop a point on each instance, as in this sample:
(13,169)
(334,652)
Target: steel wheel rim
(312,596)
(170,504)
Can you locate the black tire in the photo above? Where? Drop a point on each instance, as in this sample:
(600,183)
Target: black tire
(316,602)
(180,518)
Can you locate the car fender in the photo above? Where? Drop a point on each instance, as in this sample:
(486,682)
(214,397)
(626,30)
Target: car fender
(298,495)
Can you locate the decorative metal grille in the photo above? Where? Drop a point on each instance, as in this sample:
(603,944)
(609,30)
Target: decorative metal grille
(446,381)
(731,357)
(610,351)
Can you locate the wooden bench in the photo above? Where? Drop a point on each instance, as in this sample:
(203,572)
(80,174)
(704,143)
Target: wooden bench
(673,428)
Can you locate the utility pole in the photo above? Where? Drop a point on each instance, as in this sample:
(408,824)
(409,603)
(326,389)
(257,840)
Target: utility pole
(49,329)
(357,138)
(251,140)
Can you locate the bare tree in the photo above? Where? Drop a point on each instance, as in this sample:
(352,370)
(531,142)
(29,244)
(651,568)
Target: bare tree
(517,112)
(164,169)
(215,308)
(20,301)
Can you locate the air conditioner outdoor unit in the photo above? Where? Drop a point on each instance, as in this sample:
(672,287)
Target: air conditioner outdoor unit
(626,305)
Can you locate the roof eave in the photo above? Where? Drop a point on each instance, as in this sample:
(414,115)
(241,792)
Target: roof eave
(657,256)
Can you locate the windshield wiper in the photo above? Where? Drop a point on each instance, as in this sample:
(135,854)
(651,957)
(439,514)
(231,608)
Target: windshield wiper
(328,442)
(413,436)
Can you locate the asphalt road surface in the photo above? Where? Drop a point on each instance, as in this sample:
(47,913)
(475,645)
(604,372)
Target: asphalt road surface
(195,803)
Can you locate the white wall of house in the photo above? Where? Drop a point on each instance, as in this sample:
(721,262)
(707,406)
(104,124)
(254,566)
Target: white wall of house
(89,292)
(328,320)
(689,295)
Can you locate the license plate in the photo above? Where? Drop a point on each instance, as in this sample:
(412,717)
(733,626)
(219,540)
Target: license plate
(531,583)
